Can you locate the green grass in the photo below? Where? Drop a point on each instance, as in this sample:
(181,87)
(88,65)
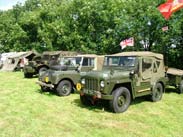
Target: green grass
(26,112)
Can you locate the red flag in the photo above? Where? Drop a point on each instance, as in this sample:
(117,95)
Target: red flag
(127,42)
(170,7)
(177,4)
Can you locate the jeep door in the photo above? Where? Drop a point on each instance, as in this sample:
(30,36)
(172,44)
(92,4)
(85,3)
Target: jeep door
(144,76)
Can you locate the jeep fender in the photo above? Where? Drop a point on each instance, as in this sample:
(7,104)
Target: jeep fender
(127,85)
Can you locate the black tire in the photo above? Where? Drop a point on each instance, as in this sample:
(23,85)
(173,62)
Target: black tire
(85,100)
(64,88)
(42,69)
(28,75)
(121,100)
(181,87)
(157,92)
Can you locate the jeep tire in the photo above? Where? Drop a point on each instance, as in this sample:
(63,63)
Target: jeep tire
(121,100)
(64,88)
(157,92)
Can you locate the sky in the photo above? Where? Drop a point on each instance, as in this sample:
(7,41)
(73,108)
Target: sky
(8,4)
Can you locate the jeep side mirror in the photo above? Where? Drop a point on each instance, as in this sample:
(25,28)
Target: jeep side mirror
(132,73)
(77,68)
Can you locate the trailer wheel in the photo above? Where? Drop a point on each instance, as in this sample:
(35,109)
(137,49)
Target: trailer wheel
(181,87)
(121,100)
(157,92)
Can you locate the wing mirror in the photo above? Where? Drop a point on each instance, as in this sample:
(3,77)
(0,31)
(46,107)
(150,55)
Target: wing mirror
(77,68)
(132,73)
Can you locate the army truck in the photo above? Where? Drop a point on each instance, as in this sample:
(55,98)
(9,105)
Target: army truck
(64,82)
(42,63)
(124,77)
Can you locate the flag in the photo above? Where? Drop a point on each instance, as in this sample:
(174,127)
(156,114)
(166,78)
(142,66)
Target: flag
(170,7)
(177,4)
(165,28)
(165,9)
(127,42)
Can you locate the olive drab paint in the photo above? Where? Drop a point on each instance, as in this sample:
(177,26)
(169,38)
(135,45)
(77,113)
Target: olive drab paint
(143,74)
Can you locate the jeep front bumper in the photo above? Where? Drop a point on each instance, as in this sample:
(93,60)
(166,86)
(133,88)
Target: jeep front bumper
(51,86)
(96,94)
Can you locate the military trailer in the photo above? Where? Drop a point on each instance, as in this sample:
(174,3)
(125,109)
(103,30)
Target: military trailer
(124,77)
(64,82)
(42,63)
(175,78)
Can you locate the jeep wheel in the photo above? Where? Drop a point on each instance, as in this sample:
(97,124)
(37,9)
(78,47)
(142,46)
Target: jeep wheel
(85,100)
(121,100)
(42,69)
(157,92)
(28,75)
(181,87)
(64,88)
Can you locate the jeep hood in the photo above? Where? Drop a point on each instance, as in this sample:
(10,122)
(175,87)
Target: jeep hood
(106,74)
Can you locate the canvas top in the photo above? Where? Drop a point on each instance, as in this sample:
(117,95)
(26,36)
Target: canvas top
(142,53)
(63,53)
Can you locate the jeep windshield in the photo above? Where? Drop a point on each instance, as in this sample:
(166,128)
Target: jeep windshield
(70,61)
(120,62)
(50,57)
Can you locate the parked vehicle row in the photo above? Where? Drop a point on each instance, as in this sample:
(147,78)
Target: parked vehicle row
(117,78)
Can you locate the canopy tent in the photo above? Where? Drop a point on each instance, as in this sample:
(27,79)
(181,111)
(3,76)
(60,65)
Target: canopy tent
(14,60)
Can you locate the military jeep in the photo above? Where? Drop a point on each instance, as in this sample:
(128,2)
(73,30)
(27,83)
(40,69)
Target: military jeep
(64,80)
(43,62)
(124,77)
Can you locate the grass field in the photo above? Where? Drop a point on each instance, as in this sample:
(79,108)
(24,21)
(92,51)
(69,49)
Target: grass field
(26,112)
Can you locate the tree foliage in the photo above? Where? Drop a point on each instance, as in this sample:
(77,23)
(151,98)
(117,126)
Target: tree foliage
(88,26)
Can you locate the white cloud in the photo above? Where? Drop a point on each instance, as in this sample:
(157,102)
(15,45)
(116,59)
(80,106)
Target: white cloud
(6,7)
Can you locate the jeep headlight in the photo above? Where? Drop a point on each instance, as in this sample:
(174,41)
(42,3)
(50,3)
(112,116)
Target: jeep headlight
(102,84)
(83,81)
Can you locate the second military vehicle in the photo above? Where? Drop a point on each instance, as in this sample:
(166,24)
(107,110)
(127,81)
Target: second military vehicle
(64,81)
(43,62)
(124,77)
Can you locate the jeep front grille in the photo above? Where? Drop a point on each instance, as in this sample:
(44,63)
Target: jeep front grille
(91,84)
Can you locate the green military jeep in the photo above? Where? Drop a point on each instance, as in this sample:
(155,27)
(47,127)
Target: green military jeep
(64,79)
(124,77)
(42,63)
